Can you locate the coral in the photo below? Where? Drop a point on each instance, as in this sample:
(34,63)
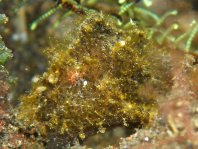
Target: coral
(5,55)
(9,133)
(11,137)
(98,77)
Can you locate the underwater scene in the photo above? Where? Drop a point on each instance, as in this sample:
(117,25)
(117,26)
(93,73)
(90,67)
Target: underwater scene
(98,74)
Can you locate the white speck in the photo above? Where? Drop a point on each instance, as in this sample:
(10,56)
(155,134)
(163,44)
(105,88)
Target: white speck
(85,83)
(122,43)
(35,79)
(19,142)
(146,139)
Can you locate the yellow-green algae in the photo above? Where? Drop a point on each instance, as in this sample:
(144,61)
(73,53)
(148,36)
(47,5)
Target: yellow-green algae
(97,81)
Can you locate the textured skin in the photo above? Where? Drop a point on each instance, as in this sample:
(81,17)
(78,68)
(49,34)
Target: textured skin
(96,82)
